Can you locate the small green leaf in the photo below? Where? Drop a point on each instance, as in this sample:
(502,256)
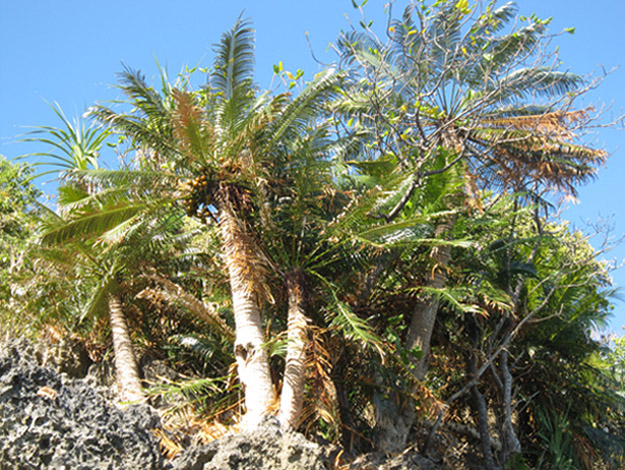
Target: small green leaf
(569,30)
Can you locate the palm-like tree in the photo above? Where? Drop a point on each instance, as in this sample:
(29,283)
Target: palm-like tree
(110,247)
(106,262)
(213,151)
(313,253)
(73,146)
(452,83)
(454,87)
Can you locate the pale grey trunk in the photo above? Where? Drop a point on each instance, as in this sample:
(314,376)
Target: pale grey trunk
(394,428)
(483,428)
(126,370)
(249,351)
(424,314)
(511,441)
(295,369)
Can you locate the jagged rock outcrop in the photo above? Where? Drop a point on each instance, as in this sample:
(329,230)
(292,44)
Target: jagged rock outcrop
(267,448)
(405,461)
(49,420)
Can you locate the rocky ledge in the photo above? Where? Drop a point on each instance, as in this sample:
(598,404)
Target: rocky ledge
(49,420)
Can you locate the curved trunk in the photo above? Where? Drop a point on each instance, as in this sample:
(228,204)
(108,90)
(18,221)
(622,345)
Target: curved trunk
(249,351)
(126,370)
(295,370)
(511,441)
(395,424)
(424,314)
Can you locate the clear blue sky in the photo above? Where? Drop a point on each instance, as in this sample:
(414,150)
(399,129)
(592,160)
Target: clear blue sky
(69,51)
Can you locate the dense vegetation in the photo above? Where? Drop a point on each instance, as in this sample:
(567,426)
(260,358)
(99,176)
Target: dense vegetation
(373,256)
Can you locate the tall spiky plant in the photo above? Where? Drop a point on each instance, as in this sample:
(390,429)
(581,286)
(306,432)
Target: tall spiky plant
(212,151)
(455,80)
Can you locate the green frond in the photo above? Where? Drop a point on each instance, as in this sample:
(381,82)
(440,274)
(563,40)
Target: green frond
(148,101)
(206,387)
(231,81)
(353,327)
(497,19)
(139,180)
(515,44)
(542,81)
(73,146)
(153,134)
(452,297)
(233,66)
(200,346)
(92,225)
(98,298)
(306,107)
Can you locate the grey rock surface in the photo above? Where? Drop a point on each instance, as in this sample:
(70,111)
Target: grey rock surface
(267,448)
(51,421)
(406,461)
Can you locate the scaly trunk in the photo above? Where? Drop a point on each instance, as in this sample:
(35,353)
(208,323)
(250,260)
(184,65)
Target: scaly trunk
(126,370)
(251,356)
(295,369)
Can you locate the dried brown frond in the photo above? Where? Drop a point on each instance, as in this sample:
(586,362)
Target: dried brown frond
(188,122)
(556,124)
(173,294)
(585,452)
(473,200)
(241,249)
(94,343)
(558,166)
(539,147)
(322,399)
(169,447)
(428,403)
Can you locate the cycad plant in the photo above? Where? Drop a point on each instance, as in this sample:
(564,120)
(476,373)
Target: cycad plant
(456,86)
(211,151)
(107,261)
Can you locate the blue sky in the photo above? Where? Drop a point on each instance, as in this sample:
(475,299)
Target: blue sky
(69,51)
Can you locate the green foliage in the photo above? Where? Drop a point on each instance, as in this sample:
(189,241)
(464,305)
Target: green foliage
(73,146)
(420,161)
(555,434)
(18,209)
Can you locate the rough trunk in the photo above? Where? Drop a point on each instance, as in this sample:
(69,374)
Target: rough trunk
(295,370)
(424,313)
(251,356)
(394,428)
(482,419)
(511,441)
(126,370)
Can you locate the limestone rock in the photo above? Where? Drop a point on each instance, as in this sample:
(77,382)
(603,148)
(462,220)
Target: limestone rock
(266,448)
(51,421)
